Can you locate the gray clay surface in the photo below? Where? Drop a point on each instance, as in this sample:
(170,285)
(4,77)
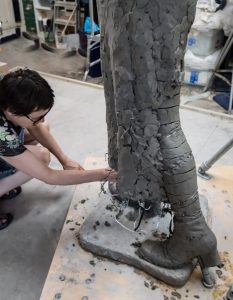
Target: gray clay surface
(142,53)
(143,44)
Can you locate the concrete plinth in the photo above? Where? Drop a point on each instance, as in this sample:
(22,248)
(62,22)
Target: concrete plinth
(103,234)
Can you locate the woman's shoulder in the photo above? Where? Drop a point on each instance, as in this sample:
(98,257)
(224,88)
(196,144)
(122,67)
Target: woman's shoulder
(5,127)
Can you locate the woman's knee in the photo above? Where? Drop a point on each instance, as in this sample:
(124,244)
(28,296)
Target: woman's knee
(41,153)
(44,155)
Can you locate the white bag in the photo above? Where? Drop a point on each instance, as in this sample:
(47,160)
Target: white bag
(203,63)
(196,77)
(207,20)
(208,5)
(204,42)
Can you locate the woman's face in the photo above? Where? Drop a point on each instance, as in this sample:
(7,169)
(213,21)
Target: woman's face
(29,120)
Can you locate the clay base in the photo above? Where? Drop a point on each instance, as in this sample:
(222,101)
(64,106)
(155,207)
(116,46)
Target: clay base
(102,235)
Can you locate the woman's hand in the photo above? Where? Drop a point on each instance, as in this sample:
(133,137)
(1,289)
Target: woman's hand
(109,175)
(72,165)
(106,174)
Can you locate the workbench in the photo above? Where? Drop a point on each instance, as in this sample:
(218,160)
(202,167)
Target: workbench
(76,274)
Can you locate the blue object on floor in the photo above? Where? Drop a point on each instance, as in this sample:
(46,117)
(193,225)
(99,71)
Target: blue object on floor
(87,26)
(222,99)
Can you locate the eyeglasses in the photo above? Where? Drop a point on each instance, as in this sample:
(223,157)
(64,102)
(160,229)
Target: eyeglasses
(34,122)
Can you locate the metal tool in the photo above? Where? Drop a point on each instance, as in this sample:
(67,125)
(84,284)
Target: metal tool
(208,164)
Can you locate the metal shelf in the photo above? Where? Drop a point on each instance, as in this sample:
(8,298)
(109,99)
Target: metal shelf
(65,4)
(65,14)
(43,7)
(64,22)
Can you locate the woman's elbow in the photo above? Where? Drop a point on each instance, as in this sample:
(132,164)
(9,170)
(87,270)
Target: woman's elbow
(50,178)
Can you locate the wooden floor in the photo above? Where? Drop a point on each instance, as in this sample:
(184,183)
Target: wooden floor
(78,275)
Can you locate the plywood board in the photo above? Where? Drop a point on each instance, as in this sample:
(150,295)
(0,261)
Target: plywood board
(76,274)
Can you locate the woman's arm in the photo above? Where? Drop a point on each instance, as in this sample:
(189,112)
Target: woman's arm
(28,163)
(42,134)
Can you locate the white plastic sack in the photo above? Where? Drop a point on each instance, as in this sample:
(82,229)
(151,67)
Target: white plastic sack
(205,42)
(205,21)
(208,5)
(204,63)
(194,77)
(222,19)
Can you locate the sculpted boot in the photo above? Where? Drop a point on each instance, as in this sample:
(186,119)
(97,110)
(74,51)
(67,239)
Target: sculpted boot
(191,238)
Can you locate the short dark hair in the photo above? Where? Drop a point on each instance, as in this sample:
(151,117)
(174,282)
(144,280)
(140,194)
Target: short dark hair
(24,91)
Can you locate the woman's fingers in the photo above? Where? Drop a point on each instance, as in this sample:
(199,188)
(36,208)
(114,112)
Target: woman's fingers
(111,175)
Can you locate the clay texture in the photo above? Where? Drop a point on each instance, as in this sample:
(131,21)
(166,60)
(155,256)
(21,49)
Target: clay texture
(142,53)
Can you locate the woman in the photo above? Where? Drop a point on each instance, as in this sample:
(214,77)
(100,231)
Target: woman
(25,100)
